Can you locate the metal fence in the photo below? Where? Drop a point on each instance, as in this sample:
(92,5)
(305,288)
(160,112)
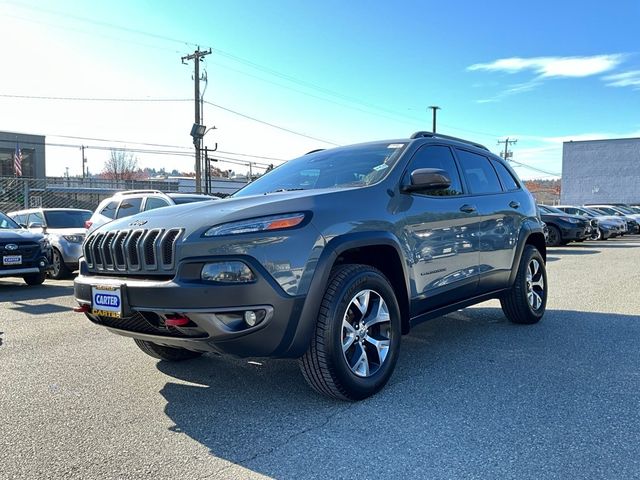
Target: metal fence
(62,192)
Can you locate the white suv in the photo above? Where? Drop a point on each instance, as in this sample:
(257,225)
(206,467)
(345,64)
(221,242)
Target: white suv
(130,202)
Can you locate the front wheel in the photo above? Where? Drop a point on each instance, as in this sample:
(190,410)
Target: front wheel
(555,237)
(35,279)
(357,338)
(59,269)
(171,354)
(597,235)
(527,300)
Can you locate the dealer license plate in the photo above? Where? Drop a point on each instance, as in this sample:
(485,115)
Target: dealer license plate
(106,301)
(12,260)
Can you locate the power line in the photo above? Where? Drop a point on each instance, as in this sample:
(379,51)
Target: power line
(284,129)
(98,99)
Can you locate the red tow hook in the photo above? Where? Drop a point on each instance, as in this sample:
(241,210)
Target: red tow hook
(82,308)
(176,320)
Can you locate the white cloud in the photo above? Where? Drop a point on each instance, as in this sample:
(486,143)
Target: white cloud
(549,67)
(625,79)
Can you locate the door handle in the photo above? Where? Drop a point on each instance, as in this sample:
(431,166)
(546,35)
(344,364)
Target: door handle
(466,208)
(514,204)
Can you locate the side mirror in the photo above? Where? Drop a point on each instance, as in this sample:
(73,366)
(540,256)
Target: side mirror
(428,179)
(23,225)
(37,225)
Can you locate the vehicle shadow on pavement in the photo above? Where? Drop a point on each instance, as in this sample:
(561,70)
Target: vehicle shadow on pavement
(472,395)
(15,297)
(570,251)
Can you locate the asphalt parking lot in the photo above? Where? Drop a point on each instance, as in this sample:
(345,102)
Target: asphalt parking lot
(472,397)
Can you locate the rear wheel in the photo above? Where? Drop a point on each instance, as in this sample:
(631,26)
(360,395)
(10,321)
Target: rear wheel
(171,354)
(35,279)
(357,339)
(527,300)
(555,237)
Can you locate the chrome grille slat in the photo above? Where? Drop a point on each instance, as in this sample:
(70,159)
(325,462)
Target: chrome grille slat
(132,251)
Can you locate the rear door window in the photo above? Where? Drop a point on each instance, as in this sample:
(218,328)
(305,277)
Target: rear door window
(129,206)
(109,210)
(480,175)
(155,202)
(508,182)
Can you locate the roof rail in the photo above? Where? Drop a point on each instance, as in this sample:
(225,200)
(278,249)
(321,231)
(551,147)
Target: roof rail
(423,134)
(132,192)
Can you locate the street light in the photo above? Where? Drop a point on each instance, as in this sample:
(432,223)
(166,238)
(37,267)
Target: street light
(198,131)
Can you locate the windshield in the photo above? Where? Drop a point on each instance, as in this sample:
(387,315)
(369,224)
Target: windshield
(66,218)
(8,224)
(624,209)
(592,211)
(548,209)
(608,210)
(354,166)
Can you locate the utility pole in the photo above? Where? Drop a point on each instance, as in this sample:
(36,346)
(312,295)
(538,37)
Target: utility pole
(84,162)
(435,109)
(506,142)
(197,58)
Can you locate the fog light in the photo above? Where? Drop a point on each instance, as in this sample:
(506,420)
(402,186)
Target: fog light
(42,263)
(227,272)
(250,318)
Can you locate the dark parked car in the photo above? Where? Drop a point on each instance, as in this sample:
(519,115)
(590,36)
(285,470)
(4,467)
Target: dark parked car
(632,219)
(564,228)
(65,230)
(329,258)
(604,227)
(22,253)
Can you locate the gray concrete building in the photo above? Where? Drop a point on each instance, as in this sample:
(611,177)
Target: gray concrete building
(601,171)
(33,157)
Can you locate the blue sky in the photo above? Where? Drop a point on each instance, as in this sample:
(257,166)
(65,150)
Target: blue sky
(341,71)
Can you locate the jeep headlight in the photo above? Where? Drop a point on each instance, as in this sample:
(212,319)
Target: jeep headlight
(227,272)
(570,220)
(74,238)
(260,224)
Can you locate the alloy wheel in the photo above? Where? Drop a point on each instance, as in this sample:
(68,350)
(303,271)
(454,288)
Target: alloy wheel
(535,285)
(366,333)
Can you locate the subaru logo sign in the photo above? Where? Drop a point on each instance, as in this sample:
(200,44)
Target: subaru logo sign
(11,246)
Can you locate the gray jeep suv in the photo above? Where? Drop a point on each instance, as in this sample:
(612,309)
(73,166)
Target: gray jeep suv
(329,258)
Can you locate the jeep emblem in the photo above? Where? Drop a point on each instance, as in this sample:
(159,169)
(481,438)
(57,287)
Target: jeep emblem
(137,223)
(11,246)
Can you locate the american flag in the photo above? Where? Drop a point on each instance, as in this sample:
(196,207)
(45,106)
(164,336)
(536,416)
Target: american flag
(17,161)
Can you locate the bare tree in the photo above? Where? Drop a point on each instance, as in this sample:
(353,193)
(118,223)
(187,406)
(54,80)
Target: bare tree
(122,165)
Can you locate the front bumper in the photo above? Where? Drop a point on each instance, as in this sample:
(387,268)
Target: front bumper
(572,234)
(39,265)
(214,310)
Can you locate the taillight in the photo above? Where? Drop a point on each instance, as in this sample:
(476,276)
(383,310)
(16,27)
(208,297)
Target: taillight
(87,224)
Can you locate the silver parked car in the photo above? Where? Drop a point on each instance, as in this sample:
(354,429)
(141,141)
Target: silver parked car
(130,202)
(65,230)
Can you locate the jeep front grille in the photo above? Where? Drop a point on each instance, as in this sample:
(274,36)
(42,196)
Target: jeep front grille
(132,251)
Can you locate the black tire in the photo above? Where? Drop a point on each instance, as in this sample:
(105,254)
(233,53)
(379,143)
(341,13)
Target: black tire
(515,304)
(35,279)
(597,235)
(324,366)
(555,237)
(171,354)
(59,269)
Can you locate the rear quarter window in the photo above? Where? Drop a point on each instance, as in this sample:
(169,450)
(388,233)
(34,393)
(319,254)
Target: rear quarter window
(480,175)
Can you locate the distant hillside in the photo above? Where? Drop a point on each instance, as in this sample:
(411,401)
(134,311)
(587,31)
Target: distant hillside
(545,191)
